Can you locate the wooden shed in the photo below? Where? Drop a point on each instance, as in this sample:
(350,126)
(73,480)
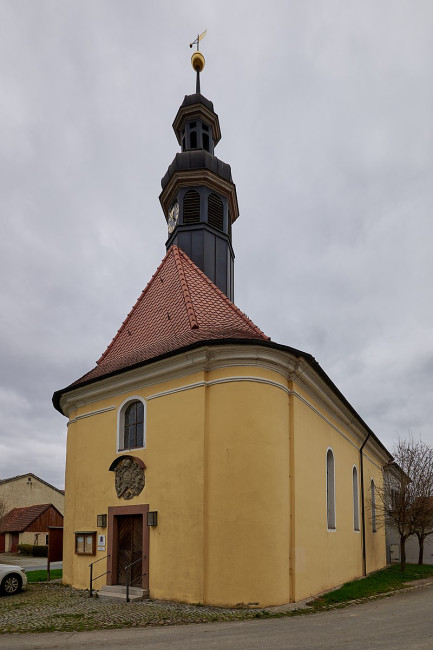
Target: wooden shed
(28,525)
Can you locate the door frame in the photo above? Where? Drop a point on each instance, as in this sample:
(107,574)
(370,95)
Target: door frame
(113,540)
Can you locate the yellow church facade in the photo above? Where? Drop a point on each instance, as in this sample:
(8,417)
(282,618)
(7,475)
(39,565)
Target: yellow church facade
(206,463)
(235,451)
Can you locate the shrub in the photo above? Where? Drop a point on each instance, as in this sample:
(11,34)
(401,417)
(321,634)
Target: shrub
(25,549)
(36,551)
(40,551)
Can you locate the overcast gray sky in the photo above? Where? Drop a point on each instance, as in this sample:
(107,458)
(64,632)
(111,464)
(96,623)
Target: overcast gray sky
(326,112)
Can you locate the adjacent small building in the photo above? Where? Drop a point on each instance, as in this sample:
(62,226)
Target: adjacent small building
(28,505)
(28,525)
(29,490)
(205,461)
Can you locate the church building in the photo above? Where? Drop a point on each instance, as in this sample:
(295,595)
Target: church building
(205,462)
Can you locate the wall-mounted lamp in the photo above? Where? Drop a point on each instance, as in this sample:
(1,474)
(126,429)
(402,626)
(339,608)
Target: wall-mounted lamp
(101,521)
(152,518)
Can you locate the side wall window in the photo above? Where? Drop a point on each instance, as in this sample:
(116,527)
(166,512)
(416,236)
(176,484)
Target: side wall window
(330,489)
(355,498)
(131,424)
(373,507)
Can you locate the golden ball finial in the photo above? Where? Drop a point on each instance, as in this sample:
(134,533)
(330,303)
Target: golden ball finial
(197,61)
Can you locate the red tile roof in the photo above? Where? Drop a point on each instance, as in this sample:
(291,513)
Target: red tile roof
(18,519)
(180,306)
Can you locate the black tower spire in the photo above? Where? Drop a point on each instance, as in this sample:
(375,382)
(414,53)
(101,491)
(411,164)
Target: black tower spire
(198,195)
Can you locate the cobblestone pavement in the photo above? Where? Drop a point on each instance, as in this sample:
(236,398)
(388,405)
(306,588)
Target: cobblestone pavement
(55,607)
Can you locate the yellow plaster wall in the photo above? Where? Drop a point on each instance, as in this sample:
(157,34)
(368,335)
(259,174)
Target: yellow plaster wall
(235,434)
(174,477)
(323,558)
(229,465)
(247,494)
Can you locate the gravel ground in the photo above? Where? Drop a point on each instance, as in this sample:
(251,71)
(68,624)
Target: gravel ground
(55,607)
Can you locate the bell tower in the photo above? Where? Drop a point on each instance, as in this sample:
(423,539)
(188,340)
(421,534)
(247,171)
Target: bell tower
(198,195)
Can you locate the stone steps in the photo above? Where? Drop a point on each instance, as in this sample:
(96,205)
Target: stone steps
(118,592)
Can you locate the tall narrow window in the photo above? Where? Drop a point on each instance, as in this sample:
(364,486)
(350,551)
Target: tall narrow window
(191,207)
(330,489)
(134,425)
(355,499)
(373,507)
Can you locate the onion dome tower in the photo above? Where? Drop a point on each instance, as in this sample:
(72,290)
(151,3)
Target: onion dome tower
(198,195)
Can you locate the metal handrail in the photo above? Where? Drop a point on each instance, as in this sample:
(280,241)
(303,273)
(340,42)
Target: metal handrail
(91,574)
(128,574)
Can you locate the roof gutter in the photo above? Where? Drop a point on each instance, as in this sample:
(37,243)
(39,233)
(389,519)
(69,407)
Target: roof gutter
(364,558)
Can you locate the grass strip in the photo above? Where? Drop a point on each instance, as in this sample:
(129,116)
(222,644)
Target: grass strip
(381,582)
(41,575)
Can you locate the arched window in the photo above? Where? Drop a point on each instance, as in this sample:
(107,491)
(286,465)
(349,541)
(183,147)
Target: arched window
(131,425)
(215,212)
(191,207)
(373,507)
(330,489)
(355,498)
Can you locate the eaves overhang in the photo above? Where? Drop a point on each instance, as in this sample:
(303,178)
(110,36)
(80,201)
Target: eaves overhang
(302,363)
(181,178)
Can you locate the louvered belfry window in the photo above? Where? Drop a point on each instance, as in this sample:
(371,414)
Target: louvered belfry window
(191,207)
(215,212)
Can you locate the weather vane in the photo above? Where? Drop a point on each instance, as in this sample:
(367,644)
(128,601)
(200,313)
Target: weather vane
(197,59)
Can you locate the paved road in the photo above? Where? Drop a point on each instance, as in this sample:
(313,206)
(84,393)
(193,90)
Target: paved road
(28,562)
(401,622)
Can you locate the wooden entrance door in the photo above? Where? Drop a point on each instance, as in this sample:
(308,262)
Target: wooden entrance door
(130,548)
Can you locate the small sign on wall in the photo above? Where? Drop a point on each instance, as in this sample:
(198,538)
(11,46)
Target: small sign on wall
(101,542)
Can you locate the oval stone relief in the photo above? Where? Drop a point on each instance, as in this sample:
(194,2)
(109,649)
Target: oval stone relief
(129,479)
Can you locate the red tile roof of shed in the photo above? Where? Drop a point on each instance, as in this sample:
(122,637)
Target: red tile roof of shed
(18,519)
(180,306)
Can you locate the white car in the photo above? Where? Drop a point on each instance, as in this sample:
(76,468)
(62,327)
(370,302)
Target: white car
(12,579)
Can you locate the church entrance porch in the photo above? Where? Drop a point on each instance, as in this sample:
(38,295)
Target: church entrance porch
(128,546)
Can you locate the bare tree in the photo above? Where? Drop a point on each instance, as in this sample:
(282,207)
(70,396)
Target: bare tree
(423,523)
(406,491)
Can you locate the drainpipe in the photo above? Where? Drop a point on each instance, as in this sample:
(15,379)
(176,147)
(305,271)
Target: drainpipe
(364,561)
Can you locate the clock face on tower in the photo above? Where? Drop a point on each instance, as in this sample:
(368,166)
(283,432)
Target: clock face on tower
(173,216)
